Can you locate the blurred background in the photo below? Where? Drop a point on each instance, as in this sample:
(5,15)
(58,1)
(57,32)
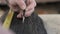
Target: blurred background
(43,6)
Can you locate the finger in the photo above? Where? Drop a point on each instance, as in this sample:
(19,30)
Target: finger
(21,4)
(28,13)
(31,5)
(12,5)
(11,2)
(20,14)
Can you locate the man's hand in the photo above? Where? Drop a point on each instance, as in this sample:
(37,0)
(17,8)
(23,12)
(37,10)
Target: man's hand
(28,6)
(5,31)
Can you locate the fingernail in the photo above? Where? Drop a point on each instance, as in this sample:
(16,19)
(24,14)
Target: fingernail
(18,16)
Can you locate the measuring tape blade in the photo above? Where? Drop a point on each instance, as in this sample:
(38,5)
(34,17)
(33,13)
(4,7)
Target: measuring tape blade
(8,19)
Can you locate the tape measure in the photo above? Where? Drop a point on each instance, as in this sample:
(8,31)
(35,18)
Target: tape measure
(8,19)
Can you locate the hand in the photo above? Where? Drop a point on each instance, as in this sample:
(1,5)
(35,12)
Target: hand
(5,31)
(28,7)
